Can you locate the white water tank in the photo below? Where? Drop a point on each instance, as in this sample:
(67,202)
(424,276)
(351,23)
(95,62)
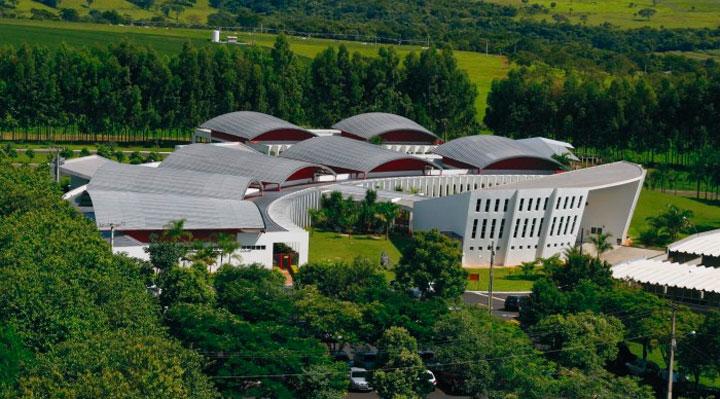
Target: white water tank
(216,36)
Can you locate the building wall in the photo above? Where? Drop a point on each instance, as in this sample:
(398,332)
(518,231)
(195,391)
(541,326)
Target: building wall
(611,209)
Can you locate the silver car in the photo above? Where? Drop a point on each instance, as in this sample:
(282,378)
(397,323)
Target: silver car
(359,380)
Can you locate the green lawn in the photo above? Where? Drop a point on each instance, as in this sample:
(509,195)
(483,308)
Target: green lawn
(656,357)
(706,214)
(669,13)
(505,279)
(334,246)
(482,69)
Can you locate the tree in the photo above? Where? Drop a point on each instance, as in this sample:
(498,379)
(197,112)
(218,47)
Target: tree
(601,243)
(401,372)
(332,321)
(673,220)
(584,340)
(253,292)
(528,268)
(227,245)
(647,13)
(386,212)
(699,352)
(165,254)
(14,357)
(185,284)
(432,263)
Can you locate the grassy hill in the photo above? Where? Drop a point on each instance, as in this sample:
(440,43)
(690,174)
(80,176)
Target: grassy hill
(623,13)
(481,68)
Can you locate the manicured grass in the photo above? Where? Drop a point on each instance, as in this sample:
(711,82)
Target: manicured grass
(651,203)
(334,246)
(482,69)
(669,13)
(507,279)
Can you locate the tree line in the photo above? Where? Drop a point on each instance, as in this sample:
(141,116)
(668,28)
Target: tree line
(661,112)
(129,91)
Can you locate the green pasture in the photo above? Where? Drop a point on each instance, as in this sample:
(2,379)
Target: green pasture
(651,203)
(482,69)
(624,13)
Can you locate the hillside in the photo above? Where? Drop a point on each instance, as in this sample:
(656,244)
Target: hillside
(623,13)
(481,68)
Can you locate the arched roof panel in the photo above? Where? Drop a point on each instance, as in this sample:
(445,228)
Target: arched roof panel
(372,124)
(249,125)
(481,151)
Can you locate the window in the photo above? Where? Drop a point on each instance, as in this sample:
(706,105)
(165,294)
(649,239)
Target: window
(572,202)
(524,230)
(506,205)
(537,204)
(572,230)
(475,186)
(552,225)
(489,247)
(477,205)
(502,228)
(474,229)
(497,204)
(517,226)
(565,204)
(530,204)
(520,247)
(540,226)
(532,228)
(546,202)
(468,187)
(580,201)
(253,247)
(559,229)
(484,227)
(522,201)
(472,248)
(567,224)
(487,205)
(557,203)
(492,228)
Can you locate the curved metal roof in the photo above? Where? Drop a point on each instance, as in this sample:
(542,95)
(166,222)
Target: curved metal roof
(373,124)
(549,147)
(593,178)
(83,167)
(143,179)
(482,150)
(657,272)
(706,244)
(345,153)
(249,124)
(210,158)
(153,211)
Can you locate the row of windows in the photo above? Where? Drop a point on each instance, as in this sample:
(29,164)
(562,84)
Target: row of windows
(488,204)
(253,247)
(562,227)
(564,201)
(484,228)
(525,223)
(489,247)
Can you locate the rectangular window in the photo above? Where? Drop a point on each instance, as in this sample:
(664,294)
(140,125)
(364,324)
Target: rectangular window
(532,228)
(572,229)
(560,224)
(474,229)
(572,202)
(580,203)
(557,203)
(477,205)
(522,201)
(537,204)
(517,226)
(502,228)
(497,204)
(540,226)
(506,205)
(567,224)
(492,228)
(524,230)
(565,204)
(487,206)
(484,227)
(546,202)
(552,225)
(530,204)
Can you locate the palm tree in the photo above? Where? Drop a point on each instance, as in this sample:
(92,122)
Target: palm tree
(674,220)
(386,212)
(175,231)
(227,244)
(601,243)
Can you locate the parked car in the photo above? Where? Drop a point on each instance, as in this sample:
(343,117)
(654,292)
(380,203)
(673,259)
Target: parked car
(367,360)
(513,303)
(677,376)
(641,368)
(432,381)
(359,380)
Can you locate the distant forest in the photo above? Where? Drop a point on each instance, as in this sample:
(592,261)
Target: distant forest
(127,88)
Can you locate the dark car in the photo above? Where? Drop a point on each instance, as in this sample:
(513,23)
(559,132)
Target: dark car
(513,303)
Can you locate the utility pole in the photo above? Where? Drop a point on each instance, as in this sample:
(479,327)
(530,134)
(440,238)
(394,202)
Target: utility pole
(490,288)
(673,345)
(112,237)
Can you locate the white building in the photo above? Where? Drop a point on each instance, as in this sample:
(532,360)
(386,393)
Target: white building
(485,190)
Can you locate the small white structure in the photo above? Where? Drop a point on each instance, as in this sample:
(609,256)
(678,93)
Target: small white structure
(215,38)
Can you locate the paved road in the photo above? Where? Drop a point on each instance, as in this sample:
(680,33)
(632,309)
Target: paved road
(480,298)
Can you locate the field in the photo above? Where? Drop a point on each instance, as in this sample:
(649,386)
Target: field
(506,279)
(623,13)
(481,68)
(706,214)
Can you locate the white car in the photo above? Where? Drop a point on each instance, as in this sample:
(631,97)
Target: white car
(431,378)
(359,380)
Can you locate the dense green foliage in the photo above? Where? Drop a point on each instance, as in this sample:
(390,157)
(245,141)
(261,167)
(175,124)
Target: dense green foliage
(130,90)
(77,321)
(349,216)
